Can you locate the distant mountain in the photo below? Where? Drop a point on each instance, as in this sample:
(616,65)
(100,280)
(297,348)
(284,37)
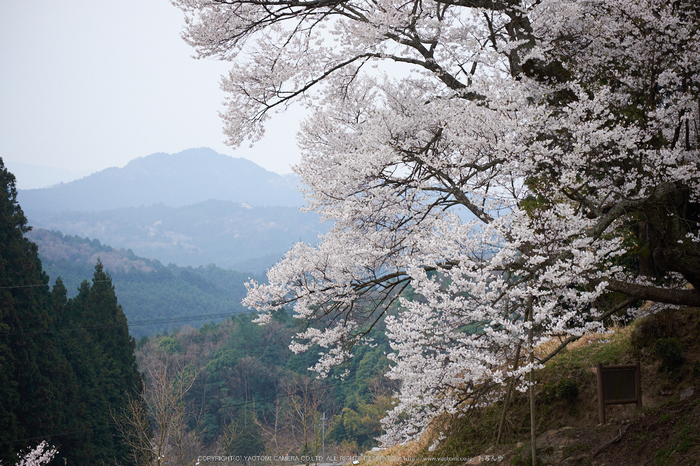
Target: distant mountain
(155,298)
(193,208)
(174,180)
(224,233)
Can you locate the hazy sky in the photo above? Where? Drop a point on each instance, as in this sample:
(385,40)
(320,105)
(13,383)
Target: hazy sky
(90,84)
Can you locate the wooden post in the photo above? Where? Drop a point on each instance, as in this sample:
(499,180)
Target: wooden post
(508,396)
(601,402)
(639,384)
(512,382)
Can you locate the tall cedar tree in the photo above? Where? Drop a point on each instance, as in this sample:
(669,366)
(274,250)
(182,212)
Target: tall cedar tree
(34,375)
(97,343)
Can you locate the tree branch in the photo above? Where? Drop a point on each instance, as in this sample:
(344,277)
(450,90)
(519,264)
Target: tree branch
(653,293)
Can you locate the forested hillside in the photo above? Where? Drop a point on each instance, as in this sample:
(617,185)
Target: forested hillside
(248,394)
(155,298)
(70,373)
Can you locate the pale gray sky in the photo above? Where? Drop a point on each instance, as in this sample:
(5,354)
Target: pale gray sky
(91,84)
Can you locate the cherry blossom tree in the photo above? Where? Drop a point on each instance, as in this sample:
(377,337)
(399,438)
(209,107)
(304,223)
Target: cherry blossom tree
(38,456)
(526,168)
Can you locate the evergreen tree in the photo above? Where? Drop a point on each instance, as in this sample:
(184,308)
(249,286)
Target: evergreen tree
(98,345)
(31,366)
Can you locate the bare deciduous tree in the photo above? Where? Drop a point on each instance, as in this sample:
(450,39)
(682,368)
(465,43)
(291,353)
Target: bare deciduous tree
(161,434)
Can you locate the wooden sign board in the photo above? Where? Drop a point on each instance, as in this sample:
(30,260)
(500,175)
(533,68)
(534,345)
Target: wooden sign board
(621,384)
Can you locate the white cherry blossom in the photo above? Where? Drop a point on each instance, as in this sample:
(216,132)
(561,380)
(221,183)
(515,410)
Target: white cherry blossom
(511,163)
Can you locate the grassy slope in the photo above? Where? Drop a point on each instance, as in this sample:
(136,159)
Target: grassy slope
(666,431)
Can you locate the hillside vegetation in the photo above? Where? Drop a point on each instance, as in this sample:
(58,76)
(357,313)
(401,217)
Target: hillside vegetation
(155,298)
(250,395)
(663,432)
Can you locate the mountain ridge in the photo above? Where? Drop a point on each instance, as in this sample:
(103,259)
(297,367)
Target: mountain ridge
(176,180)
(192,208)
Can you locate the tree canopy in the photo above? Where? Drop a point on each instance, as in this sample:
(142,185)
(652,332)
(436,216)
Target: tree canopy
(528,167)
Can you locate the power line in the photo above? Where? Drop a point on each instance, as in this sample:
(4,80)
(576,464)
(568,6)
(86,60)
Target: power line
(180,319)
(122,278)
(22,286)
(177,319)
(192,318)
(44,437)
(235,405)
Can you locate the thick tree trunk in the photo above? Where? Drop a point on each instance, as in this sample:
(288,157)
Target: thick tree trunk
(670,216)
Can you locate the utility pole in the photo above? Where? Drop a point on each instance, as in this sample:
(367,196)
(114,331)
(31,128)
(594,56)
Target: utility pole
(323,435)
(533,418)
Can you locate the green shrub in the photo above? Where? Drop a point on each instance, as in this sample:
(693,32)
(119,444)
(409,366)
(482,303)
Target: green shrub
(669,351)
(653,328)
(567,390)
(696,369)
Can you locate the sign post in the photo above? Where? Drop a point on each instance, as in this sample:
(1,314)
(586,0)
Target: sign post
(621,384)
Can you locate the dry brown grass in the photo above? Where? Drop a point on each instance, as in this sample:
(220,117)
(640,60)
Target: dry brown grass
(403,454)
(587,339)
